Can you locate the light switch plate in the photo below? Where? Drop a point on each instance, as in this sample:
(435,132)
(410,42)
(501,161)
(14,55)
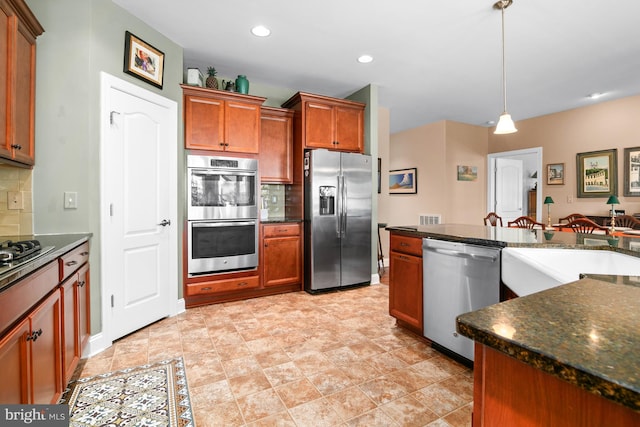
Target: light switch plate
(15,200)
(70,200)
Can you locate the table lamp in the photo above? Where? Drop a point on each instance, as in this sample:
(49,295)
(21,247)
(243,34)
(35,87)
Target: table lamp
(548,201)
(613,200)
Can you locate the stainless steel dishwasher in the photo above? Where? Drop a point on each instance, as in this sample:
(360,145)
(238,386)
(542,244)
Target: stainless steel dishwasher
(458,278)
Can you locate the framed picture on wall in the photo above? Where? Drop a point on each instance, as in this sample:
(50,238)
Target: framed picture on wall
(632,172)
(403,181)
(142,60)
(555,174)
(467,173)
(597,173)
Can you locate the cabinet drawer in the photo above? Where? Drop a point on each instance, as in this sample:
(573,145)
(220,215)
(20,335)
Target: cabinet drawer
(407,245)
(281,230)
(72,260)
(228,285)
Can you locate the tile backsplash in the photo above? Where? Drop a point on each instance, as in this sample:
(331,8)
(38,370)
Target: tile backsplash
(16,210)
(272,199)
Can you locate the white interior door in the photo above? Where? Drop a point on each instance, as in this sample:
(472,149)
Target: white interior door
(139,224)
(509,189)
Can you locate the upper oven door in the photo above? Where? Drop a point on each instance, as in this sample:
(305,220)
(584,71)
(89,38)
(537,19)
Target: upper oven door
(222,194)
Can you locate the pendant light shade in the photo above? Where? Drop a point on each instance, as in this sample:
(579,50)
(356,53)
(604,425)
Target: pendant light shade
(505,123)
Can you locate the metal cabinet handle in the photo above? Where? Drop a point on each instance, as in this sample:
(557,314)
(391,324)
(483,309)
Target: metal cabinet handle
(85,253)
(165,222)
(81,283)
(16,146)
(70,263)
(206,288)
(242,284)
(34,335)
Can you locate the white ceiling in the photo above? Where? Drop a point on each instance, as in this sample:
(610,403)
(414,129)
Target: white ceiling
(433,60)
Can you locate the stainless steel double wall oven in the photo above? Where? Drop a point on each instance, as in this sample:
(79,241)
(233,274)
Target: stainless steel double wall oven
(222,214)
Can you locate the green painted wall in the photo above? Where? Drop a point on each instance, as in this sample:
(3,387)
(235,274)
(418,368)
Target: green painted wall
(81,39)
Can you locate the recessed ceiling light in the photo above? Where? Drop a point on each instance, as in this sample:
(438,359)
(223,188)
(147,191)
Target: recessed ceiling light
(365,59)
(490,122)
(595,95)
(260,31)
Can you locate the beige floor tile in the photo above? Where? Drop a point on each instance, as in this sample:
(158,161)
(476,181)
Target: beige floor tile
(335,359)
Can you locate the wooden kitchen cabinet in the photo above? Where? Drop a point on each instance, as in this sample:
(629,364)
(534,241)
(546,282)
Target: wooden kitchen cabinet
(18,31)
(531,205)
(76,319)
(405,281)
(218,120)
(276,145)
(331,123)
(30,356)
(281,255)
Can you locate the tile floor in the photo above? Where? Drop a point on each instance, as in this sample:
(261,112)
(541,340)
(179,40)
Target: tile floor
(335,359)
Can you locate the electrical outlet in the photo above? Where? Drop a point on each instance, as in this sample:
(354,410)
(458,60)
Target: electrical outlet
(569,199)
(70,200)
(15,200)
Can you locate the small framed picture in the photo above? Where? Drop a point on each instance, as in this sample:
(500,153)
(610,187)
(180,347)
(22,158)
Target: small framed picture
(597,173)
(632,172)
(467,173)
(403,181)
(142,60)
(555,174)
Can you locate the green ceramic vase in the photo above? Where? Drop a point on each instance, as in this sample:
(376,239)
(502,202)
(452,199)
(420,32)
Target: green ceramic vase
(242,84)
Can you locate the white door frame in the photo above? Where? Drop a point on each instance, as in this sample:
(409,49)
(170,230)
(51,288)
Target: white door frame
(491,184)
(104,339)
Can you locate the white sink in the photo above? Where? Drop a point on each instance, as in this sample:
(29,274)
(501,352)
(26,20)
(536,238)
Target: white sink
(529,270)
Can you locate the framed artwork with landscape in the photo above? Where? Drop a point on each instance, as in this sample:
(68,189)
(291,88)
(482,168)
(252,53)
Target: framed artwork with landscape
(555,174)
(142,60)
(403,181)
(597,173)
(632,172)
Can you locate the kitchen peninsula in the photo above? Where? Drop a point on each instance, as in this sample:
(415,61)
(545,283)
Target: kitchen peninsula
(564,356)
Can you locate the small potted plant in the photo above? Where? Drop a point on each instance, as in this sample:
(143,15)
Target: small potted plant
(212,82)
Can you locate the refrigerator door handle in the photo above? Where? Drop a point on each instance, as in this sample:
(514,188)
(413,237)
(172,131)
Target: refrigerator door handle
(343,215)
(339,207)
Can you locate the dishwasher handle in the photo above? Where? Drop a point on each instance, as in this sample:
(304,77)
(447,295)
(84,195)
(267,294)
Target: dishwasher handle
(460,254)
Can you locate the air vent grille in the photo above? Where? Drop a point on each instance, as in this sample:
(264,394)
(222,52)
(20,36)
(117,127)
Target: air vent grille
(430,219)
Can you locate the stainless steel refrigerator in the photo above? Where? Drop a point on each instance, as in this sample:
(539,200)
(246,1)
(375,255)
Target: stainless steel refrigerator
(337,219)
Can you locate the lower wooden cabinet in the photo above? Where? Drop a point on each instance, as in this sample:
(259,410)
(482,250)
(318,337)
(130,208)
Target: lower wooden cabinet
(405,281)
(76,318)
(30,356)
(282,255)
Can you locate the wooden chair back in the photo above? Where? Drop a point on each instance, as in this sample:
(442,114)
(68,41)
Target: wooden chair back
(585,225)
(628,221)
(571,217)
(493,219)
(525,222)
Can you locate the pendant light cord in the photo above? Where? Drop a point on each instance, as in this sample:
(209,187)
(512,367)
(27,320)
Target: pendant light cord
(504,72)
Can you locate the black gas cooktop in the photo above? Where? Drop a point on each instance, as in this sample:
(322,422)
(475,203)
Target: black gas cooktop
(15,254)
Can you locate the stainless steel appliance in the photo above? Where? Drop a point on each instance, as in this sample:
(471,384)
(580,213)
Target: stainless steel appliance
(222,187)
(221,246)
(458,278)
(15,254)
(337,219)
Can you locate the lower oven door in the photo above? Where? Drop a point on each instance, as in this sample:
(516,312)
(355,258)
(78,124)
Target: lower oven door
(222,246)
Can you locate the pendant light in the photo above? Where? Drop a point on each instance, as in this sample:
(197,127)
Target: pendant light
(505,123)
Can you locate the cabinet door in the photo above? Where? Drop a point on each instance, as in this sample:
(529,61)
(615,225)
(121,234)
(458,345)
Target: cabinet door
(276,146)
(14,357)
(203,123)
(70,347)
(319,126)
(84,309)
(7,22)
(349,129)
(24,96)
(282,261)
(405,289)
(242,127)
(46,363)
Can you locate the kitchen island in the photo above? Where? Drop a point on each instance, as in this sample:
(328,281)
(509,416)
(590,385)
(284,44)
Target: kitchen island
(564,356)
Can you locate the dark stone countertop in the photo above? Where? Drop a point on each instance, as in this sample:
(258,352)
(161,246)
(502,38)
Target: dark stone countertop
(62,243)
(279,220)
(586,332)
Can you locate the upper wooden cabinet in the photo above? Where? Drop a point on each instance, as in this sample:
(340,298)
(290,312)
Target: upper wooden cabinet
(218,120)
(335,124)
(276,145)
(18,31)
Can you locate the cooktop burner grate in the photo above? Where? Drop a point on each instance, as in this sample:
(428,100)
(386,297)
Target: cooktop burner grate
(12,251)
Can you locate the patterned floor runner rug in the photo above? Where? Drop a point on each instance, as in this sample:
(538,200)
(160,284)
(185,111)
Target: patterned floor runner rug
(147,395)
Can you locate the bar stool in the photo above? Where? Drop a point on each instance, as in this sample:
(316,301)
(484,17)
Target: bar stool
(380,256)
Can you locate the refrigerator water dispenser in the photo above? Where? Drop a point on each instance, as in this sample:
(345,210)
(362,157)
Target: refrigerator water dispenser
(327,200)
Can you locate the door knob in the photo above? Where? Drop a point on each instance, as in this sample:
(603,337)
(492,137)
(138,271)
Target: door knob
(165,222)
